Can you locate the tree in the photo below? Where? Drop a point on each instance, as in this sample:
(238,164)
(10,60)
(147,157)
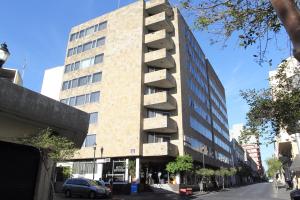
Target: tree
(204,173)
(273,109)
(51,146)
(131,168)
(180,165)
(274,165)
(225,172)
(52,149)
(254,21)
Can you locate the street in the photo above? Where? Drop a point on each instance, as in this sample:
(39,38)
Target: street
(260,191)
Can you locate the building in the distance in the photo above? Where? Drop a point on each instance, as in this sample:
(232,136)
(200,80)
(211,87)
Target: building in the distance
(251,146)
(11,75)
(286,147)
(150,91)
(52,82)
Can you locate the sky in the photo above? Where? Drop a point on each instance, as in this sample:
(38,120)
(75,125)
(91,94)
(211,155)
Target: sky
(37,32)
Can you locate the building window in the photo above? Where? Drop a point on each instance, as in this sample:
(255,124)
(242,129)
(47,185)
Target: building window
(93,118)
(84,63)
(83,167)
(90,140)
(80,100)
(102,26)
(87,46)
(157,138)
(72,101)
(95,96)
(98,59)
(83,99)
(97,77)
(65,85)
(100,42)
(88,31)
(84,80)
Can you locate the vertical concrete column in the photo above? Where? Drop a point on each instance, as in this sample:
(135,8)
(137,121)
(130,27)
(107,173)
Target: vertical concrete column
(137,170)
(126,169)
(177,178)
(99,171)
(298,141)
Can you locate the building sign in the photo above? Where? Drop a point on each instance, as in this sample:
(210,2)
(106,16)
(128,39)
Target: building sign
(119,166)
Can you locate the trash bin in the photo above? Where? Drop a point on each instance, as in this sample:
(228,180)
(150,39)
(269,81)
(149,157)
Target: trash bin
(134,188)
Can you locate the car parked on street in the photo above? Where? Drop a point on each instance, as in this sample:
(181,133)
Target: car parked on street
(295,194)
(85,188)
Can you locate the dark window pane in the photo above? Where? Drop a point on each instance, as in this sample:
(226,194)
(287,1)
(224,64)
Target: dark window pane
(72,101)
(73,36)
(82,81)
(95,96)
(65,85)
(74,83)
(151,138)
(97,77)
(96,28)
(90,140)
(100,41)
(67,68)
(77,65)
(102,26)
(81,34)
(89,30)
(74,50)
(94,44)
(70,52)
(80,100)
(93,117)
(98,59)
(87,46)
(79,49)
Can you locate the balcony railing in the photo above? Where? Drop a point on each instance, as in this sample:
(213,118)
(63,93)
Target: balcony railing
(160,101)
(159,22)
(161,124)
(160,58)
(157,6)
(160,149)
(161,78)
(159,40)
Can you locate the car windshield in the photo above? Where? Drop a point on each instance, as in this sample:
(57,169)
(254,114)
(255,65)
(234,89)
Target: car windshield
(93,183)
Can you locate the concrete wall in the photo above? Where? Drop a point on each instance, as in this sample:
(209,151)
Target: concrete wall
(52,82)
(24,112)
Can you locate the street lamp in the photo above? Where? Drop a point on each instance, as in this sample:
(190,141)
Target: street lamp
(101,151)
(4,54)
(94,147)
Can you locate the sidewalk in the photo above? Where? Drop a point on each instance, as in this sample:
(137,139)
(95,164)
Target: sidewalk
(282,193)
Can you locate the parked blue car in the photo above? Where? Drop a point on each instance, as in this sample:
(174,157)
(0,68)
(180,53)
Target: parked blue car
(85,188)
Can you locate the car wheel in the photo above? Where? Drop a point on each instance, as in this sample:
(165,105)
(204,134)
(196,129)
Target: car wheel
(108,196)
(92,195)
(68,193)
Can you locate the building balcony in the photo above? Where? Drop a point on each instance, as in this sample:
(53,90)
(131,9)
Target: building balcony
(159,22)
(160,149)
(156,6)
(160,58)
(161,124)
(161,78)
(159,40)
(160,101)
